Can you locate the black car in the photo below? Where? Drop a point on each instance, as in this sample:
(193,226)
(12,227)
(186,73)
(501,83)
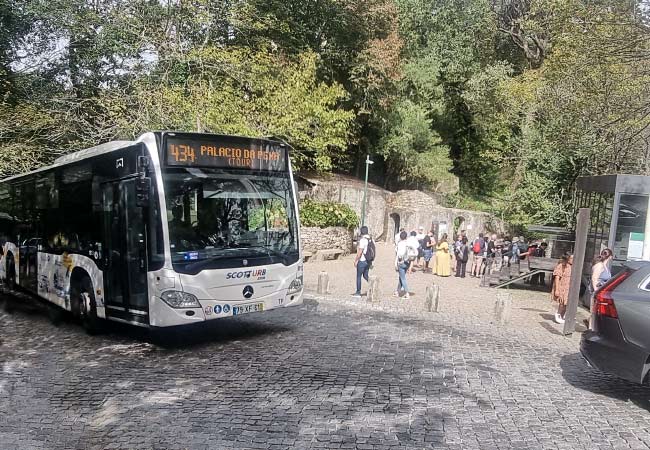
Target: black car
(619,339)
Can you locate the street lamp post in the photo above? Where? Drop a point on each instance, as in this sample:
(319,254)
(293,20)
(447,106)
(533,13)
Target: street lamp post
(365,192)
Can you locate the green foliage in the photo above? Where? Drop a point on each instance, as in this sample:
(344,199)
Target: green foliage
(327,214)
(271,214)
(247,93)
(414,154)
(515,98)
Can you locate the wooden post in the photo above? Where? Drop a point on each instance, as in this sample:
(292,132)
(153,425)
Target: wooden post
(432,299)
(503,307)
(582,228)
(323,283)
(374,294)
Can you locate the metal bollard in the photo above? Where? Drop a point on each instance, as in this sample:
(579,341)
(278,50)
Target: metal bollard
(432,299)
(374,295)
(323,283)
(503,307)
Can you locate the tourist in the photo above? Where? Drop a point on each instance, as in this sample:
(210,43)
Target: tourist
(498,255)
(360,261)
(427,244)
(600,273)
(540,252)
(413,246)
(443,257)
(601,270)
(420,237)
(491,253)
(478,250)
(506,251)
(462,257)
(514,251)
(434,242)
(560,285)
(402,265)
(523,248)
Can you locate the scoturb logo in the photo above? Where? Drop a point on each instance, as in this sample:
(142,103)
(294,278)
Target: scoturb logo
(247,274)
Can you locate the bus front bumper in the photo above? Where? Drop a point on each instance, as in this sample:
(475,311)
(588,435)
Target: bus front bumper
(163,315)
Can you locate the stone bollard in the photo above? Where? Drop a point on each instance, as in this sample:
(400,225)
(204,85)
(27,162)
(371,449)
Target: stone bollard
(374,295)
(503,307)
(323,283)
(432,299)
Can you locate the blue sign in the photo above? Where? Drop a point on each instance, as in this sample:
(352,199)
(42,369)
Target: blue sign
(217,309)
(191,255)
(226,309)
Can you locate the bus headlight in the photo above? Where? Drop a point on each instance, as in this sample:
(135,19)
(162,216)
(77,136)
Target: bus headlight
(178,299)
(296,285)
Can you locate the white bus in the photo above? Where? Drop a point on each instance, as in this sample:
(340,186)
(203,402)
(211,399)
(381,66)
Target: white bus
(171,229)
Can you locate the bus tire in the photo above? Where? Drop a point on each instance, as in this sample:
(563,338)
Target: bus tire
(11,273)
(84,298)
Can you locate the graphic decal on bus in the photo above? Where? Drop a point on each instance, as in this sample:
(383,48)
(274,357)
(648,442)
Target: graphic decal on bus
(54,278)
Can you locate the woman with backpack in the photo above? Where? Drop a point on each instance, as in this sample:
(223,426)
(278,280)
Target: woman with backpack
(443,262)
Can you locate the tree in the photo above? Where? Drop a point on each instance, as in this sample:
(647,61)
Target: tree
(239,91)
(414,153)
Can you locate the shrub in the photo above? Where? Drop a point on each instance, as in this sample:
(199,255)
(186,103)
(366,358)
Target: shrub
(327,214)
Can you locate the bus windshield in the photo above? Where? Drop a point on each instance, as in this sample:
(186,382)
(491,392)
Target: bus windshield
(215,214)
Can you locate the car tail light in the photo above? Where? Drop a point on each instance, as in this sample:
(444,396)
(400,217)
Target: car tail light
(604,303)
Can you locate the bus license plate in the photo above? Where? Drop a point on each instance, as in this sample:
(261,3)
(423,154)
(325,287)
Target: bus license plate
(245,309)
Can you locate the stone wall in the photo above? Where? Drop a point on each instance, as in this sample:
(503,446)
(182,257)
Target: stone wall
(349,190)
(314,239)
(412,209)
(386,211)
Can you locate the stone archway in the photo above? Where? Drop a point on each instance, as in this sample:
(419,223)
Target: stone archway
(393,226)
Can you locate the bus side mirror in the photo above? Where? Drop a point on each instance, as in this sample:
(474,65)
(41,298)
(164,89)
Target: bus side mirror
(142,191)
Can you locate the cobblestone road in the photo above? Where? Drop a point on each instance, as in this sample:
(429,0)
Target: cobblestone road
(330,374)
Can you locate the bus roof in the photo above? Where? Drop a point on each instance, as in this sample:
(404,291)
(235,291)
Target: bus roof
(78,156)
(116,145)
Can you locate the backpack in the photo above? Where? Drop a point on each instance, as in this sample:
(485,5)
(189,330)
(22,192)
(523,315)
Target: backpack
(464,253)
(411,253)
(371,251)
(477,247)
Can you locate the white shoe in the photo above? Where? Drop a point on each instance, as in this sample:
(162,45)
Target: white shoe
(406,296)
(396,294)
(558,319)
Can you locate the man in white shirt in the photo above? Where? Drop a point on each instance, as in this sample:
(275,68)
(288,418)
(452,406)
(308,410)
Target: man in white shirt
(402,265)
(360,261)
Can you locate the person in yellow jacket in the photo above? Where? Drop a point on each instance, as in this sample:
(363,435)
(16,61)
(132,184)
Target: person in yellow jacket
(443,260)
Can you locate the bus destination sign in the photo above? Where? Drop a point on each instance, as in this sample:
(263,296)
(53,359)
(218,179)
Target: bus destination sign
(225,152)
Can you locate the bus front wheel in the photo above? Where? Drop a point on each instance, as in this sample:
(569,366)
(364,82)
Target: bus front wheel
(87,307)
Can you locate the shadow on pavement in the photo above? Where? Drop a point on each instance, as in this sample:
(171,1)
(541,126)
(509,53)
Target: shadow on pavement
(28,308)
(550,328)
(577,373)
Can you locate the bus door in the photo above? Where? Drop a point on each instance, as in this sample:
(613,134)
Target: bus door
(125,272)
(28,251)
